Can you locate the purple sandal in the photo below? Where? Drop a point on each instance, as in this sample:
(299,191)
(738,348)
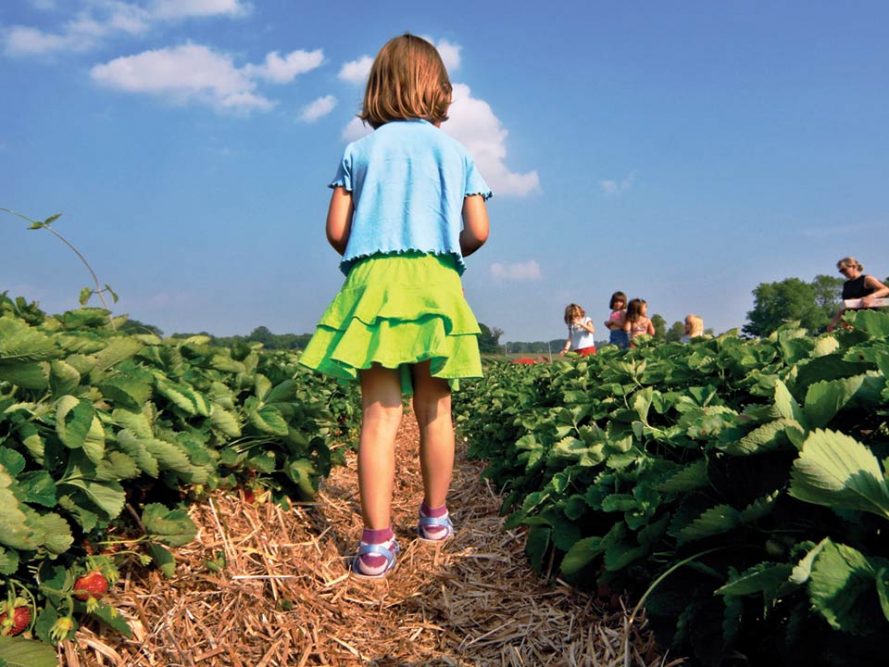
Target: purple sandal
(374,561)
(434,528)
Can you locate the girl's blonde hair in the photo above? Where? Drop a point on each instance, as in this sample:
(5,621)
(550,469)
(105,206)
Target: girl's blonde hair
(407,80)
(634,309)
(849,263)
(695,325)
(572,312)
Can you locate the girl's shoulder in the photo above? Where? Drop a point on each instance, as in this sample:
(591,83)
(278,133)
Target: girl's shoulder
(413,138)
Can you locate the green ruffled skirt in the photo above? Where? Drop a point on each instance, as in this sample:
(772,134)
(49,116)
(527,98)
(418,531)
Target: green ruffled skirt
(397,310)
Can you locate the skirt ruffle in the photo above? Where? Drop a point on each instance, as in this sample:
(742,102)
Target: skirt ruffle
(395,311)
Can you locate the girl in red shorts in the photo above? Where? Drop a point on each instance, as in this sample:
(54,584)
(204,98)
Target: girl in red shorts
(580,331)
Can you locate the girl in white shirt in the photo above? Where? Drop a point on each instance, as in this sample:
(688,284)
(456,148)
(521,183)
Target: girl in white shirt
(580,331)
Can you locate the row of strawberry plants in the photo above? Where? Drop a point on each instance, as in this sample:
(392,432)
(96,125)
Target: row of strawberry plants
(105,435)
(737,488)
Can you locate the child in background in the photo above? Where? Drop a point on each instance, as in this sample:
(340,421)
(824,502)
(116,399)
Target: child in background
(580,331)
(694,327)
(636,322)
(407,206)
(615,322)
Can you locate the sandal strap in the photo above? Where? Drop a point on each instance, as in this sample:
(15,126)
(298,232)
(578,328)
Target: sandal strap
(428,521)
(378,550)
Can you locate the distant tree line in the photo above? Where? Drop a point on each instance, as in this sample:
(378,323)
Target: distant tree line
(261,334)
(812,304)
(488,341)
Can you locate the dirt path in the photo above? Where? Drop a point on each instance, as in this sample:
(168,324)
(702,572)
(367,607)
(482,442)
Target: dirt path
(284,596)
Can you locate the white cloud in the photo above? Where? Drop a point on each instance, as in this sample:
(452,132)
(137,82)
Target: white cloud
(473,123)
(22,40)
(283,70)
(449,52)
(355,130)
(613,188)
(516,272)
(356,71)
(317,109)
(172,9)
(184,74)
(104,18)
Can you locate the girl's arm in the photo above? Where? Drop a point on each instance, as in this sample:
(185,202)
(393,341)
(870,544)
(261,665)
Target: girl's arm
(339,219)
(475,224)
(587,324)
(650,329)
(567,345)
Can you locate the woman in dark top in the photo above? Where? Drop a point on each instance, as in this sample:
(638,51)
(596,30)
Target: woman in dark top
(857,286)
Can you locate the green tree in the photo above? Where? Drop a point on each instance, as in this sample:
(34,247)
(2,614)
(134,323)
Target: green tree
(132,326)
(262,335)
(660,326)
(812,304)
(675,332)
(489,341)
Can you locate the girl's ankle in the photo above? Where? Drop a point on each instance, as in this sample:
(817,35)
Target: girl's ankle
(436,512)
(377,536)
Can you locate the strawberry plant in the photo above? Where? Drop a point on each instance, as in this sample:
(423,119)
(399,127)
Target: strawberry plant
(737,488)
(105,438)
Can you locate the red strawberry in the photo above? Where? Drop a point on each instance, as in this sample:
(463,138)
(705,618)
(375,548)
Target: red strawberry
(21,619)
(91,585)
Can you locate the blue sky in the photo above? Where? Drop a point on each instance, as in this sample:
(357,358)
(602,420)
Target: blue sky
(681,152)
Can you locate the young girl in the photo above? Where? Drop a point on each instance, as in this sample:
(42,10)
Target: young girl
(694,327)
(615,322)
(580,331)
(407,206)
(636,322)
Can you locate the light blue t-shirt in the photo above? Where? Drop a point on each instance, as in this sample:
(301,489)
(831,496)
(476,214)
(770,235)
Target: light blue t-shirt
(408,180)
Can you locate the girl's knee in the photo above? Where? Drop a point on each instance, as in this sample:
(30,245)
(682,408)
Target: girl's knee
(383,412)
(427,409)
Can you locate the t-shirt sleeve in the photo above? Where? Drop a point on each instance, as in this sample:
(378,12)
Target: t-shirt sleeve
(343,176)
(475,184)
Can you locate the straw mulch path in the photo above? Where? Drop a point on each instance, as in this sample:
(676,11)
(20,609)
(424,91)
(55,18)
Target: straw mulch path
(284,597)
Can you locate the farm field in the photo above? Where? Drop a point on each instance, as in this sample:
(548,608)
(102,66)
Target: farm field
(168,501)
(210,493)
(735,488)
(283,597)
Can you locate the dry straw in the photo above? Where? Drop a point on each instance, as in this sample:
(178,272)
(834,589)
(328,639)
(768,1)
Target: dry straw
(285,599)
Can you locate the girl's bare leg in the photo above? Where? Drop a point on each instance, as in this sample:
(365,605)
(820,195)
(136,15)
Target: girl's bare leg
(432,407)
(381,415)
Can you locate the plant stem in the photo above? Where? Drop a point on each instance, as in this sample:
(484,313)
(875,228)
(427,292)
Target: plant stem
(44,224)
(99,290)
